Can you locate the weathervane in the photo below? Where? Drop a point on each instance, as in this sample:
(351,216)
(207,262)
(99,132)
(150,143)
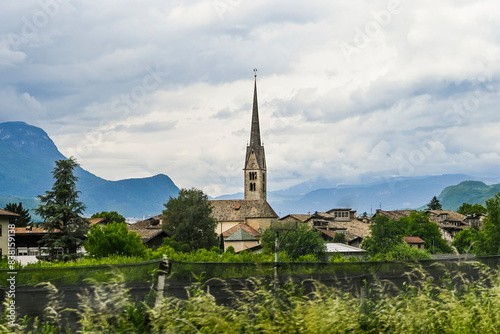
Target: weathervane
(255,71)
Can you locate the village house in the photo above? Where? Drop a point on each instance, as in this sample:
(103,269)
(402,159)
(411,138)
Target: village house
(5,217)
(448,221)
(415,242)
(331,222)
(150,230)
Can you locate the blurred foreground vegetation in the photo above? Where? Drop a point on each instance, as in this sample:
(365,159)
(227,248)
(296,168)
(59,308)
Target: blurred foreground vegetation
(453,305)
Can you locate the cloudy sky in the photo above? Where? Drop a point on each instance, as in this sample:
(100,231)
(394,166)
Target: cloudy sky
(348,90)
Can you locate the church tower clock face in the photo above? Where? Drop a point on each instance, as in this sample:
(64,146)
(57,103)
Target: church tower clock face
(255,160)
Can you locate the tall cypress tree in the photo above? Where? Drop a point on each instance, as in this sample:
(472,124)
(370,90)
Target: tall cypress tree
(62,212)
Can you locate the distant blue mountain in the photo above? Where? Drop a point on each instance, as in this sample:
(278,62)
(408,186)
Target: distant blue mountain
(28,157)
(390,194)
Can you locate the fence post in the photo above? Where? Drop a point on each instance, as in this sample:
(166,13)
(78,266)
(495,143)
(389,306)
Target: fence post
(163,272)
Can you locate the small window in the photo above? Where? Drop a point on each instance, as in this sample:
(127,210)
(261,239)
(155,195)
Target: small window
(252,186)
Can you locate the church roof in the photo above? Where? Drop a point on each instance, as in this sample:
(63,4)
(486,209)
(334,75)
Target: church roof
(255,145)
(240,209)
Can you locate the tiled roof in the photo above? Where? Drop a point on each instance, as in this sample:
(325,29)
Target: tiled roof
(323,215)
(329,233)
(239,210)
(27,230)
(452,215)
(148,234)
(349,235)
(153,222)
(244,227)
(353,227)
(241,235)
(7,213)
(94,221)
(147,228)
(340,209)
(299,217)
(396,214)
(414,240)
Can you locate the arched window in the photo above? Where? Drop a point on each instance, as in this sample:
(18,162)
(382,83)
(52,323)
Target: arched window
(252,186)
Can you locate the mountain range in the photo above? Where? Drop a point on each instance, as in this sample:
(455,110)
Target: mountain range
(28,159)
(28,156)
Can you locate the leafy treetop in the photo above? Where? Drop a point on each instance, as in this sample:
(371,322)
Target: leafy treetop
(469,209)
(489,241)
(113,238)
(419,225)
(188,219)
(300,242)
(110,217)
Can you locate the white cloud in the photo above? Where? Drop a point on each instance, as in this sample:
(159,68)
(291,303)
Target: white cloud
(418,95)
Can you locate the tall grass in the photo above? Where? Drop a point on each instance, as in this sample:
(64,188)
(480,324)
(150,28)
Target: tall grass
(454,304)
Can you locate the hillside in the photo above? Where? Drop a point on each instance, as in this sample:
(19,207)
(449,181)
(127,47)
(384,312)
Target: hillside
(471,192)
(28,156)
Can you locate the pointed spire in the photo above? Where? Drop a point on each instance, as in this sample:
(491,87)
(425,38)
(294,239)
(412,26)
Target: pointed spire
(255,130)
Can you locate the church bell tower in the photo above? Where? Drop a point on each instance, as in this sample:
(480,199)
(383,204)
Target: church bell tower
(255,161)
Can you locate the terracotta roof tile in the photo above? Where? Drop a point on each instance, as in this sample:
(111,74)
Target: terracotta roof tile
(299,217)
(8,213)
(244,227)
(228,210)
(94,221)
(414,240)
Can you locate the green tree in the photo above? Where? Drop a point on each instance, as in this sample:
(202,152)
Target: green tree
(187,219)
(385,234)
(419,225)
(466,240)
(489,241)
(24,218)
(113,238)
(434,204)
(339,238)
(301,242)
(62,212)
(110,217)
(469,209)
